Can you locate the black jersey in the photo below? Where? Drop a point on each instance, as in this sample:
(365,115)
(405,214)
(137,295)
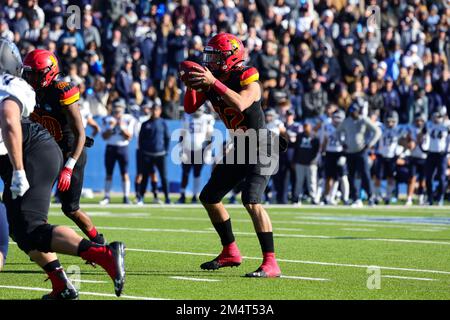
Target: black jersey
(250,118)
(50,112)
(33,135)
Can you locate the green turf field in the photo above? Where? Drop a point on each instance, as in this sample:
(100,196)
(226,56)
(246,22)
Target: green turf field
(324,253)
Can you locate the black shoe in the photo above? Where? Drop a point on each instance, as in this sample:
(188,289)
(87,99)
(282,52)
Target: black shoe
(233,200)
(182,199)
(126,200)
(118,252)
(194,199)
(66,294)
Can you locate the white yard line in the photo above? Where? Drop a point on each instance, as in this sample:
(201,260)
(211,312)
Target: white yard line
(294,261)
(87,281)
(194,279)
(357,229)
(98,294)
(303,278)
(409,278)
(307,236)
(385,224)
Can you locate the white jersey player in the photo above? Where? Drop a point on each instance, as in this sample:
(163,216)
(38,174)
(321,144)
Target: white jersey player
(436,144)
(335,161)
(197,131)
(388,150)
(415,135)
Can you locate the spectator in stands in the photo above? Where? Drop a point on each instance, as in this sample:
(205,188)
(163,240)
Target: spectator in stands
(154,139)
(306,152)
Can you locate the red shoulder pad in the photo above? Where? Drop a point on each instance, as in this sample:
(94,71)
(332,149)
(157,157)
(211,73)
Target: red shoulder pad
(68,93)
(248,76)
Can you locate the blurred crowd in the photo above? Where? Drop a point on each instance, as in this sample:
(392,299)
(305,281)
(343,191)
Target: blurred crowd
(312,55)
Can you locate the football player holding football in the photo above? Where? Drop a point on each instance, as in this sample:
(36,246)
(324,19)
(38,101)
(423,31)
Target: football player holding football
(58,111)
(30,162)
(235,93)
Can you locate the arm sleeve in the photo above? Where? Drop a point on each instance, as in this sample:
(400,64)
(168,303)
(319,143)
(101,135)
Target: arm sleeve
(166,137)
(376,133)
(193,100)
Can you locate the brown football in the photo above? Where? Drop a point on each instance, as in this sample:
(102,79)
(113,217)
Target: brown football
(183,71)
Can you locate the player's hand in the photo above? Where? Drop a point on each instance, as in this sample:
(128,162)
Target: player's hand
(201,77)
(64,179)
(19,184)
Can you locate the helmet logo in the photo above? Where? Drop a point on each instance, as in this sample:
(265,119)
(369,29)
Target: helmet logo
(53,60)
(234,44)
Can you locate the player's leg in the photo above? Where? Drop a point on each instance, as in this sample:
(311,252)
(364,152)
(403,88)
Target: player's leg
(223,179)
(147,170)
(429,174)
(28,217)
(197,181)
(441,173)
(351,160)
(185,170)
(160,162)
(138,178)
(389,166)
(313,177)
(365,175)
(70,203)
(62,287)
(123,165)
(421,181)
(252,193)
(411,181)
(300,181)
(110,161)
(4,232)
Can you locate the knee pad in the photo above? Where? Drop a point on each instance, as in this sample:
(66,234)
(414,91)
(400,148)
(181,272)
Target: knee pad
(39,239)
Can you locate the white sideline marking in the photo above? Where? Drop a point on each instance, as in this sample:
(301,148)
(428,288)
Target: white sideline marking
(278,235)
(82,293)
(409,278)
(294,261)
(357,229)
(426,230)
(303,278)
(194,279)
(87,281)
(386,224)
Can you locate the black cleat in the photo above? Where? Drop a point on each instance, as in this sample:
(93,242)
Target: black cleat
(118,252)
(66,294)
(222,261)
(262,274)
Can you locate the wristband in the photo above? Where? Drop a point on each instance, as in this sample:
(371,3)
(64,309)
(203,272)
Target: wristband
(70,163)
(219,87)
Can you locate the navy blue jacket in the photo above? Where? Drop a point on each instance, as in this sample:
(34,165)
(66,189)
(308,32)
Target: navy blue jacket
(154,137)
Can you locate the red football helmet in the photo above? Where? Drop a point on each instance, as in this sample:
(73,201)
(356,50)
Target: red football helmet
(40,67)
(223,52)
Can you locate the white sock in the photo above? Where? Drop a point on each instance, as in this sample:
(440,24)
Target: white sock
(126,187)
(108,185)
(197,182)
(345,187)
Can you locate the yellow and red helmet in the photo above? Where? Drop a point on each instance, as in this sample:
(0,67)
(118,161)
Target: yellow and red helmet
(223,52)
(40,67)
